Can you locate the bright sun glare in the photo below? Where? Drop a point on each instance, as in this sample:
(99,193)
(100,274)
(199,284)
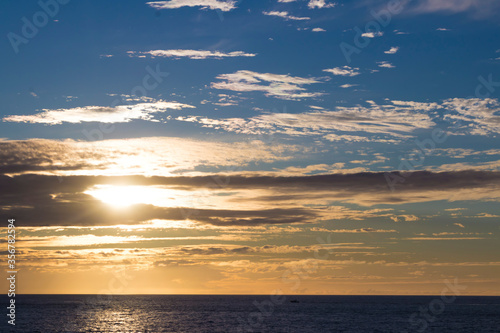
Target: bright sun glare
(123,196)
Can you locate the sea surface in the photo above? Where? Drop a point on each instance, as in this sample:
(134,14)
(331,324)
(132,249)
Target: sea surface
(301,314)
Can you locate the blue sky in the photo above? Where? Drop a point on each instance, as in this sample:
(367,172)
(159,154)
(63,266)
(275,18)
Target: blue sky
(187,89)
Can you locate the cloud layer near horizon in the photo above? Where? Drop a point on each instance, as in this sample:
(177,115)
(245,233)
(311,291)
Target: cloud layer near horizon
(51,200)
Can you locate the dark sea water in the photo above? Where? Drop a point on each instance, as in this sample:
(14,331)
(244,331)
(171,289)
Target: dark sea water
(302,314)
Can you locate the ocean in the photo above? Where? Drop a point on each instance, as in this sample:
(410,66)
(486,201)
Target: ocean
(249,313)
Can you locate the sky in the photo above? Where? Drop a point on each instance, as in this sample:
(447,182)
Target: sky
(251,147)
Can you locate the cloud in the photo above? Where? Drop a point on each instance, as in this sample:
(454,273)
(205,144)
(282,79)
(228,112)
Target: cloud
(442,29)
(483,115)
(354,231)
(463,153)
(457,233)
(318,30)
(226,100)
(478,9)
(68,206)
(157,155)
(443,238)
(347,85)
(223,5)
(228,249)
(41,200)
(492,165)
(102,114)
(310,169)
(385,64)
(464,116)
(320,4)
(397,119)
(91,241)
(344,71)
(372,34)
(285,15)
(486,215)
(192,54)
(406,218)
(392,50)
(346,138)
(279,86)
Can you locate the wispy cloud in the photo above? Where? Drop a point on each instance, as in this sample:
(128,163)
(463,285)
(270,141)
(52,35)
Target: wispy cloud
(491,165)
(274,85)
(478,9)
(405,218)
(392,50)
(347,138)
(385,64)
(463,153)
(353,231)
(102,114)
(372,34)
(397,119)
(119,157)
(192,54)
(224,5)
(285,15)
(320,4)
(443,238)
(483,115)
(343,71)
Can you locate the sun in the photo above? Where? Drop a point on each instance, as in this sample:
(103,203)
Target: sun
(124,196)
